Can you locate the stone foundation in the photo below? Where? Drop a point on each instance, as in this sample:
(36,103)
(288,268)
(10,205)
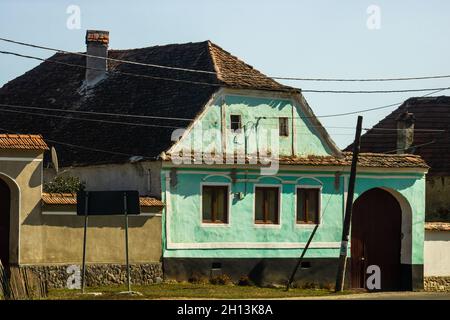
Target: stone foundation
(58,276)
(437,284)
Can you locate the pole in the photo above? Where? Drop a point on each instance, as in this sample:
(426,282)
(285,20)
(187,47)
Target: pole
(83,276)
(300,260)
(126,240)
(340,277)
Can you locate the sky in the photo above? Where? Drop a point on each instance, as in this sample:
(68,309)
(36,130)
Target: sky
(308,39)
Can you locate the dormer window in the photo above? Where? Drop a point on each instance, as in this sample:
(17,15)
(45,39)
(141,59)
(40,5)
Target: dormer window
(284,126)
(236,124)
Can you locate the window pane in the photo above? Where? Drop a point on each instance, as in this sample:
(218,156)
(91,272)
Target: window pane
(259,204)
(207,203)
(221,204)
(272,205)
(313,206)
(308,205)
(235,122)
(215,204)
(301,205)
(266,205)
(283,125)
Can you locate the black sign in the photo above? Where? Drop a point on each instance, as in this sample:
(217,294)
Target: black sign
(102,203)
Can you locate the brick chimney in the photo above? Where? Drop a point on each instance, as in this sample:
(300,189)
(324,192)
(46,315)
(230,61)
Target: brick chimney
(96,45)
(405,131)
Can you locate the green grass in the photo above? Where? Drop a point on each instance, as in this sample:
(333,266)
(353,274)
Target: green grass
(187,291)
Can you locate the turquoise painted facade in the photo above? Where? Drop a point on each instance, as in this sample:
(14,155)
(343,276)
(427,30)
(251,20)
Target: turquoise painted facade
(186,236)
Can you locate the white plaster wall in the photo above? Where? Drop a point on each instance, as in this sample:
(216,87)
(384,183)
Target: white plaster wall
(143,176)
(437,253)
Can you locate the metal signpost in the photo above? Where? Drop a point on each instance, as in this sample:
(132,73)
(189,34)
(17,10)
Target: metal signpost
(105,203)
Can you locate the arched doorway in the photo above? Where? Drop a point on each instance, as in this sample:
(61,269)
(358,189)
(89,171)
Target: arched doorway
(5,209)
(376,238)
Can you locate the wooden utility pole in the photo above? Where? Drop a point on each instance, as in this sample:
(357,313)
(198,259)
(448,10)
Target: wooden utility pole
(340,278)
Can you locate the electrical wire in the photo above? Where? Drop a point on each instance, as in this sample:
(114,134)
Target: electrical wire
(236,73)
(219,84)
(84,147)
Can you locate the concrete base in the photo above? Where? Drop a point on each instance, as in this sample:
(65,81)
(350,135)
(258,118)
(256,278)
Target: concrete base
(412,277)
(318,272)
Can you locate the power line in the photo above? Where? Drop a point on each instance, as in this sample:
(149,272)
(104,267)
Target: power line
(96,113)
(236,73)
(362,80)
(83,147)
(163,126)
(110,71)
(220,85)
(90,120)
(412,147)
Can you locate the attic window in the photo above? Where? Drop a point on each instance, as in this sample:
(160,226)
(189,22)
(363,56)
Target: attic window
(236,125)
(284,128)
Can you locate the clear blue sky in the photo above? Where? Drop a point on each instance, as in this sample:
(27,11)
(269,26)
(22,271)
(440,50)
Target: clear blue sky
(283,38)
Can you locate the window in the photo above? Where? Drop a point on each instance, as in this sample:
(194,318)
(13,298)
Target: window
(215,204)
(284,126)
(266,205)
(235,123)
(308,208)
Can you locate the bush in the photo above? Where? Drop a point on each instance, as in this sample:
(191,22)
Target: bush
(197,278)
(244,281)
(327,286)
(222,279)
(64,184)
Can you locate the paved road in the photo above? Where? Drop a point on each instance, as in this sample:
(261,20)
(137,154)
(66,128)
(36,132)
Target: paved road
(385,296)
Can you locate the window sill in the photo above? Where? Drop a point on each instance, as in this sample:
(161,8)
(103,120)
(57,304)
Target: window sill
(306,225)
(267,225)
(214,224)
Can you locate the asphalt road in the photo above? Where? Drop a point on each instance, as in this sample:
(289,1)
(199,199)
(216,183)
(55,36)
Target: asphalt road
(385,296)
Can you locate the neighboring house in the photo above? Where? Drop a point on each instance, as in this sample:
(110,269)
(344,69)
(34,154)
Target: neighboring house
(41,231)
(423,128)
(242,187)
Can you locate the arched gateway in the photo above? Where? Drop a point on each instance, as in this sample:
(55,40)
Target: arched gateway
(376,238)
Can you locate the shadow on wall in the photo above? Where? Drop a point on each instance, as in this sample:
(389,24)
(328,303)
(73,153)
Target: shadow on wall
(36,218)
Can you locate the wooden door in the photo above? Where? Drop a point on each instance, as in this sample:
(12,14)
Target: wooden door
(4,222)
(376,238)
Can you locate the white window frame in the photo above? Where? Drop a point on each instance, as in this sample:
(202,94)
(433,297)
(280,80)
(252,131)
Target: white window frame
(267,225)
(319,205)
(230,198)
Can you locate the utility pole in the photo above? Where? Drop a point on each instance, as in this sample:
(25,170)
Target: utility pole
(348,210)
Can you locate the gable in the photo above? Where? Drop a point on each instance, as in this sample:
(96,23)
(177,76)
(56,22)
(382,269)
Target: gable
(259,113)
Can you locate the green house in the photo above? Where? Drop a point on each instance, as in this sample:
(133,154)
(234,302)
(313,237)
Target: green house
(247,182)
(242,184)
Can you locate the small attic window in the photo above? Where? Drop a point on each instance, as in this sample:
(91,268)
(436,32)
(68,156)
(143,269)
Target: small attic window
(284,126)
(236,125)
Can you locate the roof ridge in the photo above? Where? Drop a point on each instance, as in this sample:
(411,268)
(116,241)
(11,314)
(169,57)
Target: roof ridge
(214,51)
(210,45)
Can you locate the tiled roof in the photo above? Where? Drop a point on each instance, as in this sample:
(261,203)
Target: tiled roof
(58,86)
(433,147)
(375,160)
(71,199)
(22,141)
(437,226)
